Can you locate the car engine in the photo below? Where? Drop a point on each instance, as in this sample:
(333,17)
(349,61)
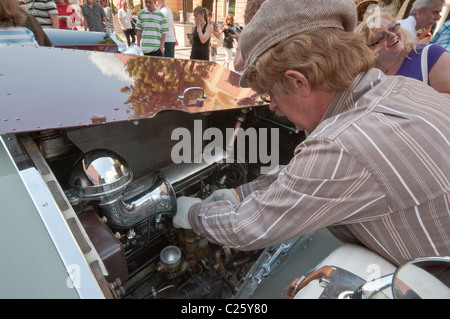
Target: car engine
(126,209)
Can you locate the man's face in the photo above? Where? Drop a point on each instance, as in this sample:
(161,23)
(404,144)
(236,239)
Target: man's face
(425,18)
(295,107)
(151,5)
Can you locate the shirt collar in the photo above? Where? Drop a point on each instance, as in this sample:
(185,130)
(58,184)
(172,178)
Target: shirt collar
(346,99)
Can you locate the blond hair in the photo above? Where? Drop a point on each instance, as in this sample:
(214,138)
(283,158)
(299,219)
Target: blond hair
(329,58)
(11,14)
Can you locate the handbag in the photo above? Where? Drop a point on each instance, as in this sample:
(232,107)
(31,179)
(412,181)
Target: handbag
(216,41)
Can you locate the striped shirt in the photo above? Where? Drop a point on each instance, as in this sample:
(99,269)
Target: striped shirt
(153,26)
(375,172)
(442,37)
(17,35)
(42,10)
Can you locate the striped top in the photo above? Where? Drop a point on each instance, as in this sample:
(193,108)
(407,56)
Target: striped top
(153,26)
(42,10)
(17,35)
(375,172)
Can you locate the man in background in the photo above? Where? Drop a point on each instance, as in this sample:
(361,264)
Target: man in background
(45,12)
(171,37)
(125,19)
(151,29)
(108,14)
(94,16)
(424,13)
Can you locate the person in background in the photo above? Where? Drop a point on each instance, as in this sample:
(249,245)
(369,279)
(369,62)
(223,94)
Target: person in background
(171,37)
(442,37)
(227,30)
(200,36)
(108,14)
(374,168)
(94,16)
(67,15)
(125,18)
(45,12)
(423,14)
(12,18)
(215,32)
(424,35)
(151,28)
(396,55)
(34,26)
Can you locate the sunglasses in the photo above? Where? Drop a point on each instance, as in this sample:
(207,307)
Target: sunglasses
(383,37)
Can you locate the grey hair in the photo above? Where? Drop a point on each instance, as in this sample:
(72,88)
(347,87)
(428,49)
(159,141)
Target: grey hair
(422,4)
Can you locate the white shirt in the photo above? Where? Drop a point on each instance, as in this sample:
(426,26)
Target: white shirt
(409,25)
(170,37)
(125,18)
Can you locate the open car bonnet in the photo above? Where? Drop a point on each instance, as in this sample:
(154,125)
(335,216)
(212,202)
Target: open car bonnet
(40,88)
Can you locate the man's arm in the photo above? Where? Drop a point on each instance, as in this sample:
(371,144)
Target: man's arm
(138,37)
(120,17)
(55,21)
(163,40)
(305,197)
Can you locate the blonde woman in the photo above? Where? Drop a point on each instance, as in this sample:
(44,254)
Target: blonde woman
(396,55)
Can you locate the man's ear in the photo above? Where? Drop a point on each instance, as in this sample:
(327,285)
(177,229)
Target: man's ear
(298,81)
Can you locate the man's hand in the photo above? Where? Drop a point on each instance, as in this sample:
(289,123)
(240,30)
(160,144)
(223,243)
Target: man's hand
(228,194)
(181,218)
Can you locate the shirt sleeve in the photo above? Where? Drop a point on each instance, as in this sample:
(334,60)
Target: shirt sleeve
(322,186)
(138,23)
(102,13)
(51,8)
(434,53)
(165,26)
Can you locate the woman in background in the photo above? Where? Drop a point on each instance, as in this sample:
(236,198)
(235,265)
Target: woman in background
(396,55)
(228,30)
(200,36)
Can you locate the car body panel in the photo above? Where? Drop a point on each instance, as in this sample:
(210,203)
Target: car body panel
(61,88)
(85,40)
(33,267)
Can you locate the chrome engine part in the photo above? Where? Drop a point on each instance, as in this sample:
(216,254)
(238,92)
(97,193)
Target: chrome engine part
(102,176)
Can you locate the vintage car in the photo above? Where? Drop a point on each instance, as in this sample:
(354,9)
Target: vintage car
(94,157)
(90,41)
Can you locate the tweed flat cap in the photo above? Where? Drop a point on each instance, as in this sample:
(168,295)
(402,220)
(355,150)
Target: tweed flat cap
(277,20)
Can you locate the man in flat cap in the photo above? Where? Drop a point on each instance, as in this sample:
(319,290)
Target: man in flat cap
(375,166)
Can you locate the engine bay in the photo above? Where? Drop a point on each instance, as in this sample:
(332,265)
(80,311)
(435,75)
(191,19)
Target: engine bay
(124,197)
